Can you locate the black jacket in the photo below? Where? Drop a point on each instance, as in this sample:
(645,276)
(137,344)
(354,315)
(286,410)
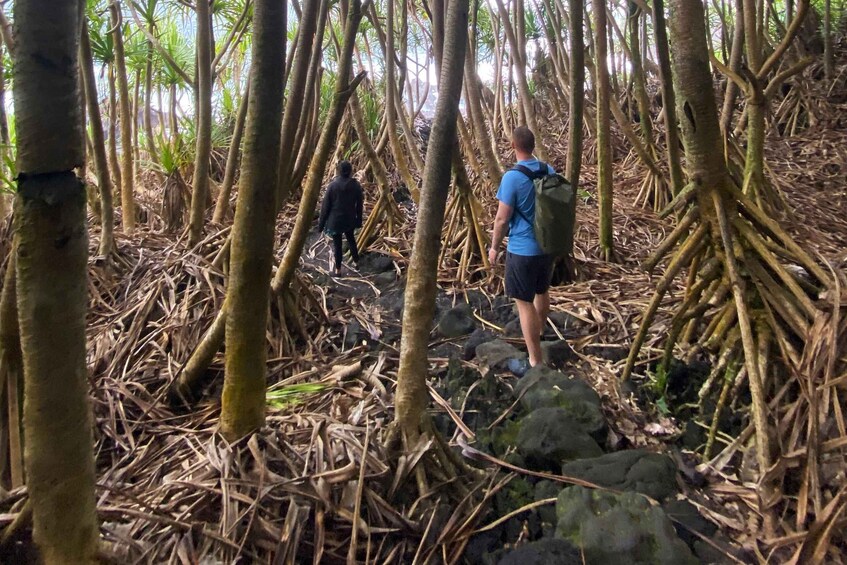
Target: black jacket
(341,210)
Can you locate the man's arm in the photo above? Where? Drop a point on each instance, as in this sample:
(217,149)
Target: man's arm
(501,225)
(325,207)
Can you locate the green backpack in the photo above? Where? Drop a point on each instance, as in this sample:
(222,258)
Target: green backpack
(555,210)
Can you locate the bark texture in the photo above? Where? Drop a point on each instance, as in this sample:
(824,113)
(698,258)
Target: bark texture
(411,398)
(51,280)
(243,401)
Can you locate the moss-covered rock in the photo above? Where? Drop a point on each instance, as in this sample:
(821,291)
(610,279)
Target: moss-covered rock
(635,470)
(548,437)
(619,528)
(542,387)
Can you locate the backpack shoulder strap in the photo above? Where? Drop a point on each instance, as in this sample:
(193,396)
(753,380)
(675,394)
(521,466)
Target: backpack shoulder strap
(524,170)
(542,172)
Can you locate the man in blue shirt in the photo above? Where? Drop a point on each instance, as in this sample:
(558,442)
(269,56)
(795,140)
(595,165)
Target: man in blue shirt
(528,268)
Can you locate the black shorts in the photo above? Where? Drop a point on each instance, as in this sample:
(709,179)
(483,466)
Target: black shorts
(528,275)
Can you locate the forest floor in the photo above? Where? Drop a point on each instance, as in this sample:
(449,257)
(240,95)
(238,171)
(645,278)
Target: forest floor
(318,479)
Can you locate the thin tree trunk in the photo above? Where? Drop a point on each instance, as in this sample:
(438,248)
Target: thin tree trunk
(489,158)
(668,97)
(107,212)
(523,86)
(127,167)
(4,139)
(638,78)
(391,106)
(604,145)
(222,205)
(148,108)
(828,57)
(296,94)
(411,396)
(114,162)
(52,280)
(735,65)
(243,399)
(202,160)
(577,94)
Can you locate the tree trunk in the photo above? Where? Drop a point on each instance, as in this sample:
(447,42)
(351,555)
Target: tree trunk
(232,159)
(391,105)
(344,88)
(107,212)
(4,139)
(604,145)
(296,95)
(668,98)
(735,55)
(127,166)
(114,162)
(243,400)
(148,107)
(200,194)
(828,57)
(638,78)
(577,94)
(52,251)
(411,397)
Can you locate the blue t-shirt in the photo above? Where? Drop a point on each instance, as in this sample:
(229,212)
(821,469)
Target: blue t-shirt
(517,191)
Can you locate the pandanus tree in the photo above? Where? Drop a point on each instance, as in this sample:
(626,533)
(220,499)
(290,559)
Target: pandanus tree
(421,285)
(127,119)
(51,257)
(602,90)
(741,302)
(243,401)
(200,194)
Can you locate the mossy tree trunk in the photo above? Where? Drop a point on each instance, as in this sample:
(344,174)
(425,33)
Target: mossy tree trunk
(127,165)
(411,396)
(243,401)
(52,250)
(604,144)
(203,151)
(101,163)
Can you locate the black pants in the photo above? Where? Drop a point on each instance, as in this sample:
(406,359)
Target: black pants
(337,247)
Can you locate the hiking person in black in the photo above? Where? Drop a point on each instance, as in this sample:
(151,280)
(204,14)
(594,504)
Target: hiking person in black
(341,212)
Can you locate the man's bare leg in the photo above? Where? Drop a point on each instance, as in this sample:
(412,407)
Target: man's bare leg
(531,329)
(542,307)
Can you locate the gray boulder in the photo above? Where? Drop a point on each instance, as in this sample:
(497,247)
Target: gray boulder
(543,552)
(634,470)
(543,387)
(495,354)
(624,528)
(548,437)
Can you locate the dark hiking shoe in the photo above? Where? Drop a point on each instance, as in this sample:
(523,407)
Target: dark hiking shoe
(519,367)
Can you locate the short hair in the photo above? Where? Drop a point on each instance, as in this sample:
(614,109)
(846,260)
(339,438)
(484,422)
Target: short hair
(524,139)
(345,169)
